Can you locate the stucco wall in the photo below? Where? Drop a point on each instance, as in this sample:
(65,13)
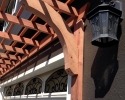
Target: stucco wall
(104,67)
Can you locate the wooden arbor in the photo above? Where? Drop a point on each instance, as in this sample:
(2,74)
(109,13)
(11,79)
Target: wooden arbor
(72,43)
(55,21)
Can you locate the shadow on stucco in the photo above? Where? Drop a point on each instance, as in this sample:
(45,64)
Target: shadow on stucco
(104,68)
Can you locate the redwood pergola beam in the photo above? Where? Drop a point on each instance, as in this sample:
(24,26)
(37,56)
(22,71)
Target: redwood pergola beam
(3,66)
(20,11)
(62,7)
(9,56)
(23,32)
(47,40)
(82,15)
(24,23)
(12,25)
(1,61)
(17,50)
(1,69)
(12,49)
(43,43)
(75,15)
(7,62)
(35,35)
(18,38)
(25,29)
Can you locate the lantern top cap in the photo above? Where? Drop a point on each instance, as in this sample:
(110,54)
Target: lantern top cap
(104,7)
(111,2)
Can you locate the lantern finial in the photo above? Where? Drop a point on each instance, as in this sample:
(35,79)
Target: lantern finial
(102,1)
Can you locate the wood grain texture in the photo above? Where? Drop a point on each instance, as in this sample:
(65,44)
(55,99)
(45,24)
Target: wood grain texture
(79,34)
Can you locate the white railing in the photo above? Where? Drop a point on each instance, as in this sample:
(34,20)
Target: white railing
(55,96)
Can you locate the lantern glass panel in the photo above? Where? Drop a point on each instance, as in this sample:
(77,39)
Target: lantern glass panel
(104,24)
(95,24)
(113,25)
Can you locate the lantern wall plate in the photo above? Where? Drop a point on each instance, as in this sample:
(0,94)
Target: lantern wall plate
(104,20)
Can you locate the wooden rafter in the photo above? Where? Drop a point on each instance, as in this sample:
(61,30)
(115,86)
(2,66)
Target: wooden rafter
(41,9)
(8,65)
(12,25)
(25,23)
(18,50)
(3,66)
(9,56)
(38,32)
(10,28)
(12,49)
(68,2)
(21,9)
(44,42)
(7,62)
(35,35)
(25,29)
(1,60)
(19,39)
(1,69)
(62,7)
(19,12)
(22,33)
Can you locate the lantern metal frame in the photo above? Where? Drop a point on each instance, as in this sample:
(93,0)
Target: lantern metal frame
(104,20)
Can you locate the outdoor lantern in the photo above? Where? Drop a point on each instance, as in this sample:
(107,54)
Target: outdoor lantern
(104,20)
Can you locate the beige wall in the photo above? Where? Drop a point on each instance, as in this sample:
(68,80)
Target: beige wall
(101,65)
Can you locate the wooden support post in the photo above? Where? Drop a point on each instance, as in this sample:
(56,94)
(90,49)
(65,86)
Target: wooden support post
(77,81)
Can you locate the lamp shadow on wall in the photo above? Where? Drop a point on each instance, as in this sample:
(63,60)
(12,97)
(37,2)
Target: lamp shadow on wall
(104,68)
